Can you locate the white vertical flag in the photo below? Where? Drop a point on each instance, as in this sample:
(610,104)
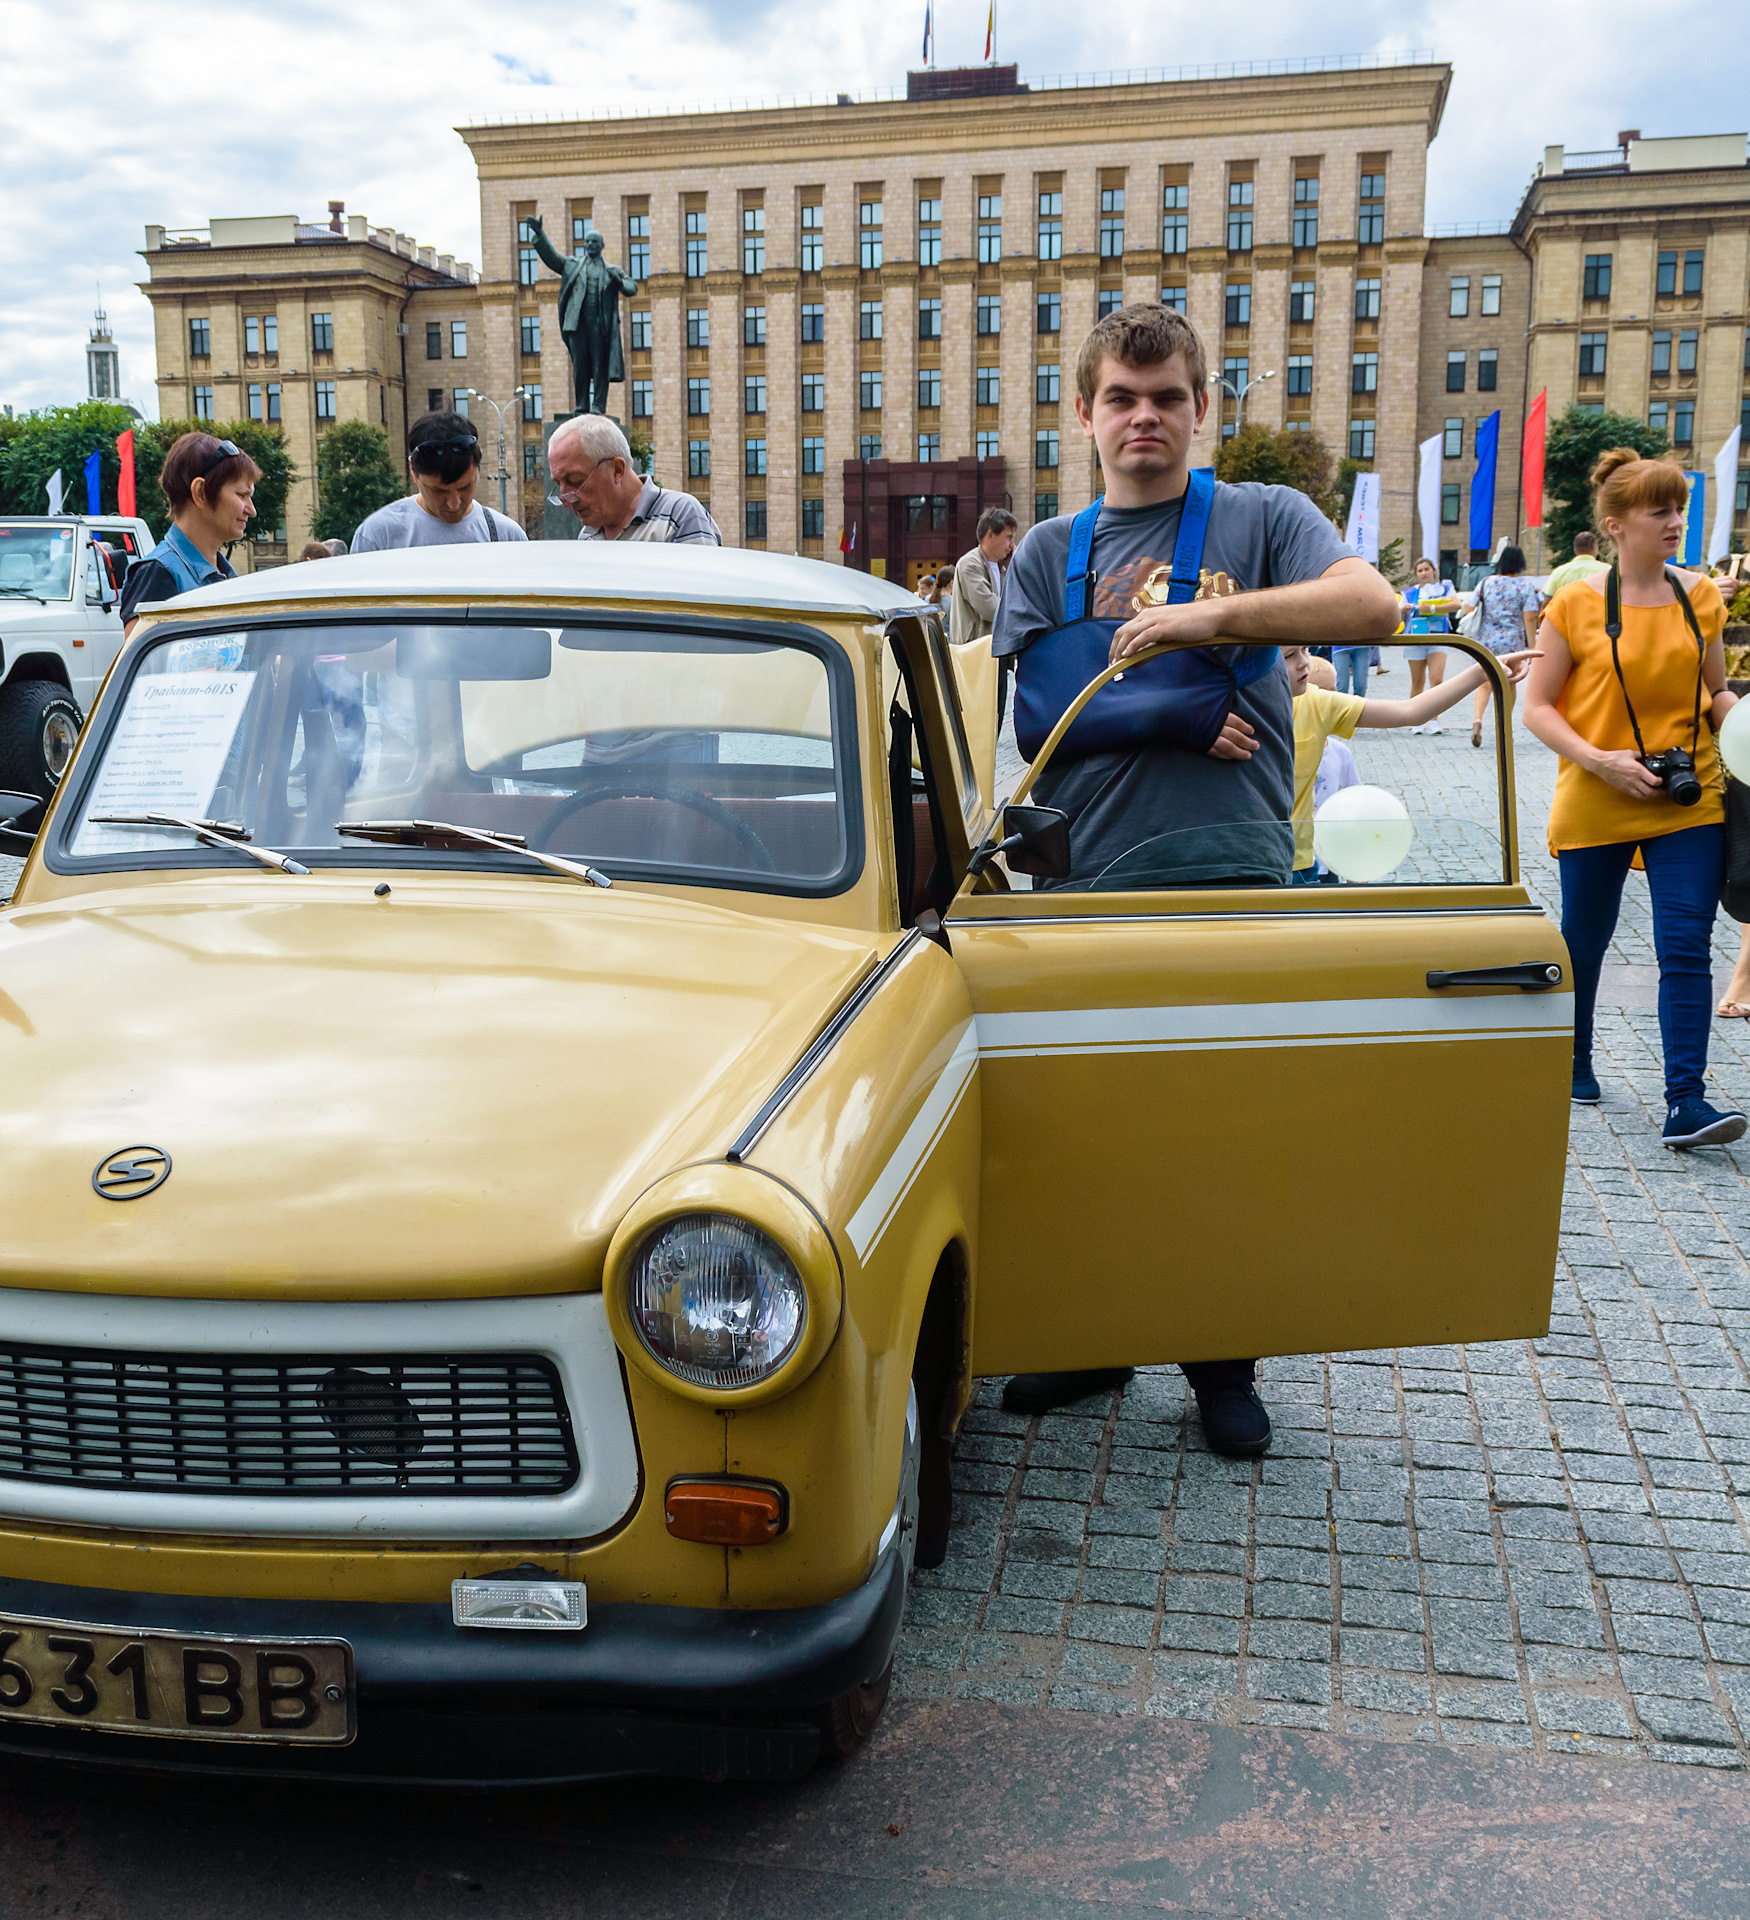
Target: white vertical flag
(1428,499)
(54,491)
(1725,496)
(1362,535)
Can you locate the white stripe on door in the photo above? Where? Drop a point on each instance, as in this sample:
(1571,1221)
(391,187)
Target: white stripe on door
(894,1181)
(1274,1023)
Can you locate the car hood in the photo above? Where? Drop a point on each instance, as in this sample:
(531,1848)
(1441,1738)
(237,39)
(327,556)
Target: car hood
(457,1089)
(18,614)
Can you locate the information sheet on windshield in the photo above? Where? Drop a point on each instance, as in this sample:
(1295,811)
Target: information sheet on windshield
(165,756)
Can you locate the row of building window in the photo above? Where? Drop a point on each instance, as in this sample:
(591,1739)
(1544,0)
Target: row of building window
(264,401)
(1676,271)
(987,390)
(1458,295)
(1458,369)
(1047,229)
(261,334)
(434,339)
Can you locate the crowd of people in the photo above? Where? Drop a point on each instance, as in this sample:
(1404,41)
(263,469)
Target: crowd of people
(1619,653)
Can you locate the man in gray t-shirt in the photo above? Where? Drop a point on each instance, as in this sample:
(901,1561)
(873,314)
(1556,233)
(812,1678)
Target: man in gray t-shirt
(1166,816)
(443,456)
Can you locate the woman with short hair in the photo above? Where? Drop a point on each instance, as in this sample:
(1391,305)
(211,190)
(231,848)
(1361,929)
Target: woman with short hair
(1510,603)
(1630,691)
(209,485)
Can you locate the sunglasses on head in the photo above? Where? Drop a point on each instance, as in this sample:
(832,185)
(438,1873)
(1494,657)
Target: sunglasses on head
(222,450)
(442,447)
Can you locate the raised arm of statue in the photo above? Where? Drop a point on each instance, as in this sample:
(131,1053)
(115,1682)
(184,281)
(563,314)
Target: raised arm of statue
(545,247)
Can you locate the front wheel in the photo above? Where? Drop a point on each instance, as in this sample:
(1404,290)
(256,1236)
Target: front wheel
(39,728)
(848,1719)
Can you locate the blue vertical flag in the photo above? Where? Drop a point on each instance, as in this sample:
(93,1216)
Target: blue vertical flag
(93,482)
(1482,486)
(1694,516)
(929,27)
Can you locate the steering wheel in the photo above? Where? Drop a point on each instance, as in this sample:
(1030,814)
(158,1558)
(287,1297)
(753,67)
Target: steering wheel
(713,810)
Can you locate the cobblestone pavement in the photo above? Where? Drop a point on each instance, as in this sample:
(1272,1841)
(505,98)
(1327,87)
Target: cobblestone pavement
(1539,1545)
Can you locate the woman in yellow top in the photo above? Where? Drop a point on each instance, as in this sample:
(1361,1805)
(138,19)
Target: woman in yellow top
(1617,714)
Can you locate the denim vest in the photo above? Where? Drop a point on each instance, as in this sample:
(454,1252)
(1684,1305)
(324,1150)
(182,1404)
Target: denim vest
(181,558)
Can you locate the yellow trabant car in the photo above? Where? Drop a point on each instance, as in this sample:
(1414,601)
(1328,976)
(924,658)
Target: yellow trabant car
(529,1096)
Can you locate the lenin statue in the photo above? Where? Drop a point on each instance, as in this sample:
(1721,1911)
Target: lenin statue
(589,316)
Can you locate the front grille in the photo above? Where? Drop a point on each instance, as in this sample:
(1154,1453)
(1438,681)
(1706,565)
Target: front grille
(429,1426)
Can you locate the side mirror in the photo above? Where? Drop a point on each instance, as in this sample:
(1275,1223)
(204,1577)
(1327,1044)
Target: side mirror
(1035,841)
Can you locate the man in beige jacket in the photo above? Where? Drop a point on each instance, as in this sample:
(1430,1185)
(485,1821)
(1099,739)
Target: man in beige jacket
(978,578)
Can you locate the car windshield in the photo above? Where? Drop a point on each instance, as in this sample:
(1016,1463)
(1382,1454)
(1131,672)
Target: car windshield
(650,751)
(36,560)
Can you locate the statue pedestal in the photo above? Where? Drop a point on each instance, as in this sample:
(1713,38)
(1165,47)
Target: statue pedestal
(559,522)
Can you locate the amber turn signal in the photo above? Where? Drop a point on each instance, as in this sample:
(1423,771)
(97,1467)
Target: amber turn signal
(725,1513)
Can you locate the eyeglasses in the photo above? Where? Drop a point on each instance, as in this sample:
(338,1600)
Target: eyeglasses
(570,491)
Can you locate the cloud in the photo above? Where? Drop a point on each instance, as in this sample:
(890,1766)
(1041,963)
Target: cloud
(520,70)
(168,118)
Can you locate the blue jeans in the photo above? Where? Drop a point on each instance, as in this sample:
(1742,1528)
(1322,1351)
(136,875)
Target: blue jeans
(1684,870)
(1352,664)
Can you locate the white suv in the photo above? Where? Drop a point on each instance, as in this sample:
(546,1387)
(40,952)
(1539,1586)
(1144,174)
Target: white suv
(60,629)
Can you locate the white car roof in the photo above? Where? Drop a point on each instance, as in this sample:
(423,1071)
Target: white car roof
(553,571)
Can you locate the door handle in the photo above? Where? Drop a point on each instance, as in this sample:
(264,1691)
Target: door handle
(1530,976)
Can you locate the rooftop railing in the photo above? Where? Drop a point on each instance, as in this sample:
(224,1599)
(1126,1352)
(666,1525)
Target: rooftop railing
(1047,83)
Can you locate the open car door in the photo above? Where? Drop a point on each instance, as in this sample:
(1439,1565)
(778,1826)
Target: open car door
(1231,1121)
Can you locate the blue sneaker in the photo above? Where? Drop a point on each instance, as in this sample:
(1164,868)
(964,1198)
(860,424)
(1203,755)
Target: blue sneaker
(1587,1092)
(1693,1123)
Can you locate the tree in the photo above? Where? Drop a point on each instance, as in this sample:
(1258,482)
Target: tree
(1570,452)
(359,473)
(1284,459)
(35,444)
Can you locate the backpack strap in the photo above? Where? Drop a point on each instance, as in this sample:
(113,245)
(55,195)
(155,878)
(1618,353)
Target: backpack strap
(1078,590)
(491,524)
(1193,531)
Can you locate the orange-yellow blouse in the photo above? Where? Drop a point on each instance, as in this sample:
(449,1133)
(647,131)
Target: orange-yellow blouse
(1659,662)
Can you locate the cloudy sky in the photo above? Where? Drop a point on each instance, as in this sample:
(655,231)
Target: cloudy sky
(119,115)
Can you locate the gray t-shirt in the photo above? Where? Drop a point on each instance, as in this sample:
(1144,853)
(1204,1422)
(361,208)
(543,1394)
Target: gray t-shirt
(405,523)
(1225,818)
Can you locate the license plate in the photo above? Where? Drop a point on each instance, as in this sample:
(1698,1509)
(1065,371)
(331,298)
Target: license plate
(184,1686)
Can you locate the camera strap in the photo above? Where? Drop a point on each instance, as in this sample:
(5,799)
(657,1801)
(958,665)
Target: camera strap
(1613,627)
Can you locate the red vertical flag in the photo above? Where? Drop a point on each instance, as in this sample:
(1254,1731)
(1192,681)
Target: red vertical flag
(990,30)
(1531,460)
(124,490)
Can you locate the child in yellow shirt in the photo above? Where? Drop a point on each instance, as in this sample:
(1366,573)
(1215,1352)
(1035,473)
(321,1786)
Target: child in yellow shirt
(1320,712)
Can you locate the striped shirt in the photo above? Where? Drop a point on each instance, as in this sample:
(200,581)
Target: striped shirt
(663,514)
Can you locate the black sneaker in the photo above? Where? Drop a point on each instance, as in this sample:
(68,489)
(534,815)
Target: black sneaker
(1693,1123)
(1040,1392)
(1234,1421)
(1587,1092)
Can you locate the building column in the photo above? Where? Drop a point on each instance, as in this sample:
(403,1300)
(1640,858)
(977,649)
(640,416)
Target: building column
(668,374)
(1400,356)
(783,433)
(961,350)
(839,294)
(1269,345)
(1016,398)
(899,361)
(1333,329)
(1077,483)
(729,420)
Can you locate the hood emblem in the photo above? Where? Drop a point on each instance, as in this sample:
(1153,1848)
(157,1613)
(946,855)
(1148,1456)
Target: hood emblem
(131,1174)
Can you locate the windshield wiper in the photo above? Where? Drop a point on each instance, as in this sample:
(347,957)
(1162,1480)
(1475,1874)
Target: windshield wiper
(435,832)
(216,833)
(30,593)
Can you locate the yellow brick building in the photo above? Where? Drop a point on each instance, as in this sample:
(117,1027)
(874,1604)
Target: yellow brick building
(864,317)
(273,320)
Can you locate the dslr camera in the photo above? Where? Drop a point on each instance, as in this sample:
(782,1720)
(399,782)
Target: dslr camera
(1675,771)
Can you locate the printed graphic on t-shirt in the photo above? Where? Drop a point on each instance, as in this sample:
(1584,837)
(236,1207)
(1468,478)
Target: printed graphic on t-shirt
(1145,583)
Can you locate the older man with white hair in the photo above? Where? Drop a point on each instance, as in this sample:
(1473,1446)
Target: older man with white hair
(591,463)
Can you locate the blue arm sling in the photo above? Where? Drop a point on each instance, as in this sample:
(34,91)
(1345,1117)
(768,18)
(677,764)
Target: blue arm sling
(1177,700)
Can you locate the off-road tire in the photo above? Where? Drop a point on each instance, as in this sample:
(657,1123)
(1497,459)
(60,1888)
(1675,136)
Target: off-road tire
(39,722)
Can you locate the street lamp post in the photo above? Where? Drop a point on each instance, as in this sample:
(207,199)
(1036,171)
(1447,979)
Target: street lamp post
(474,393)
(1239,394)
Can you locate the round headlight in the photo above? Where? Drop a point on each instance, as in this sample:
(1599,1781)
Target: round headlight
(716,1301)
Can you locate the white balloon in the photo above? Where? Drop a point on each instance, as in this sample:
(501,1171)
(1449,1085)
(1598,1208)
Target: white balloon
(1362,833)
(1734,741)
